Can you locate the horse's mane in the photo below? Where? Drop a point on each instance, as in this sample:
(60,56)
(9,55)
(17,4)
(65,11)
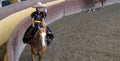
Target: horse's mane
(36,34)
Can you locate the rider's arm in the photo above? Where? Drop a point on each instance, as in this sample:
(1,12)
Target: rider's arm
(43,19)
(43,22)
(33,22)
(32,19)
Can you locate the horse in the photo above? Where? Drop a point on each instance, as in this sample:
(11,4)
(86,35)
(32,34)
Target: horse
(38,45)
(93,2)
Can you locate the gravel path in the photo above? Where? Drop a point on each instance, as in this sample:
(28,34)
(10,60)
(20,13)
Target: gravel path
(85,37)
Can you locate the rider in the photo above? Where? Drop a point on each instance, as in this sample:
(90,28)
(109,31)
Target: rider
(38,16)
(38,19)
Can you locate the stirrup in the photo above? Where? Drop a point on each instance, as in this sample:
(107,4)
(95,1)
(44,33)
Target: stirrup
(49,32)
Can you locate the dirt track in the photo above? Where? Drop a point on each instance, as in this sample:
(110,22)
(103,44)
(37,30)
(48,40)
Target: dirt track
(85,37)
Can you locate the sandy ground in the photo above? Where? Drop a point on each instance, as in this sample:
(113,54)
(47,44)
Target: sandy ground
(85,37)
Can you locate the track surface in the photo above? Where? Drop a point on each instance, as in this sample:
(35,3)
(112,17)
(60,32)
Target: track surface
(85,37)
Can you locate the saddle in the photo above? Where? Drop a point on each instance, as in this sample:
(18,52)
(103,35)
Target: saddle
(29,34)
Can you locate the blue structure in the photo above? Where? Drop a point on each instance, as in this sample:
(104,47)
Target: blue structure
(5,3)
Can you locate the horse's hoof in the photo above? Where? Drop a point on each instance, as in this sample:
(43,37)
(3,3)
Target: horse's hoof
(89,11)
(94,10)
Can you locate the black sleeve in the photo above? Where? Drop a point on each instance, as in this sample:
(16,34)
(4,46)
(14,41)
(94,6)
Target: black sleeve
(33,15)
(43,14)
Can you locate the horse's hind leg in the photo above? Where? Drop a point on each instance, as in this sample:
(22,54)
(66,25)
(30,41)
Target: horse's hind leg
(92,8)
(33,57)
(102,3)
(39,58)
(41,53)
